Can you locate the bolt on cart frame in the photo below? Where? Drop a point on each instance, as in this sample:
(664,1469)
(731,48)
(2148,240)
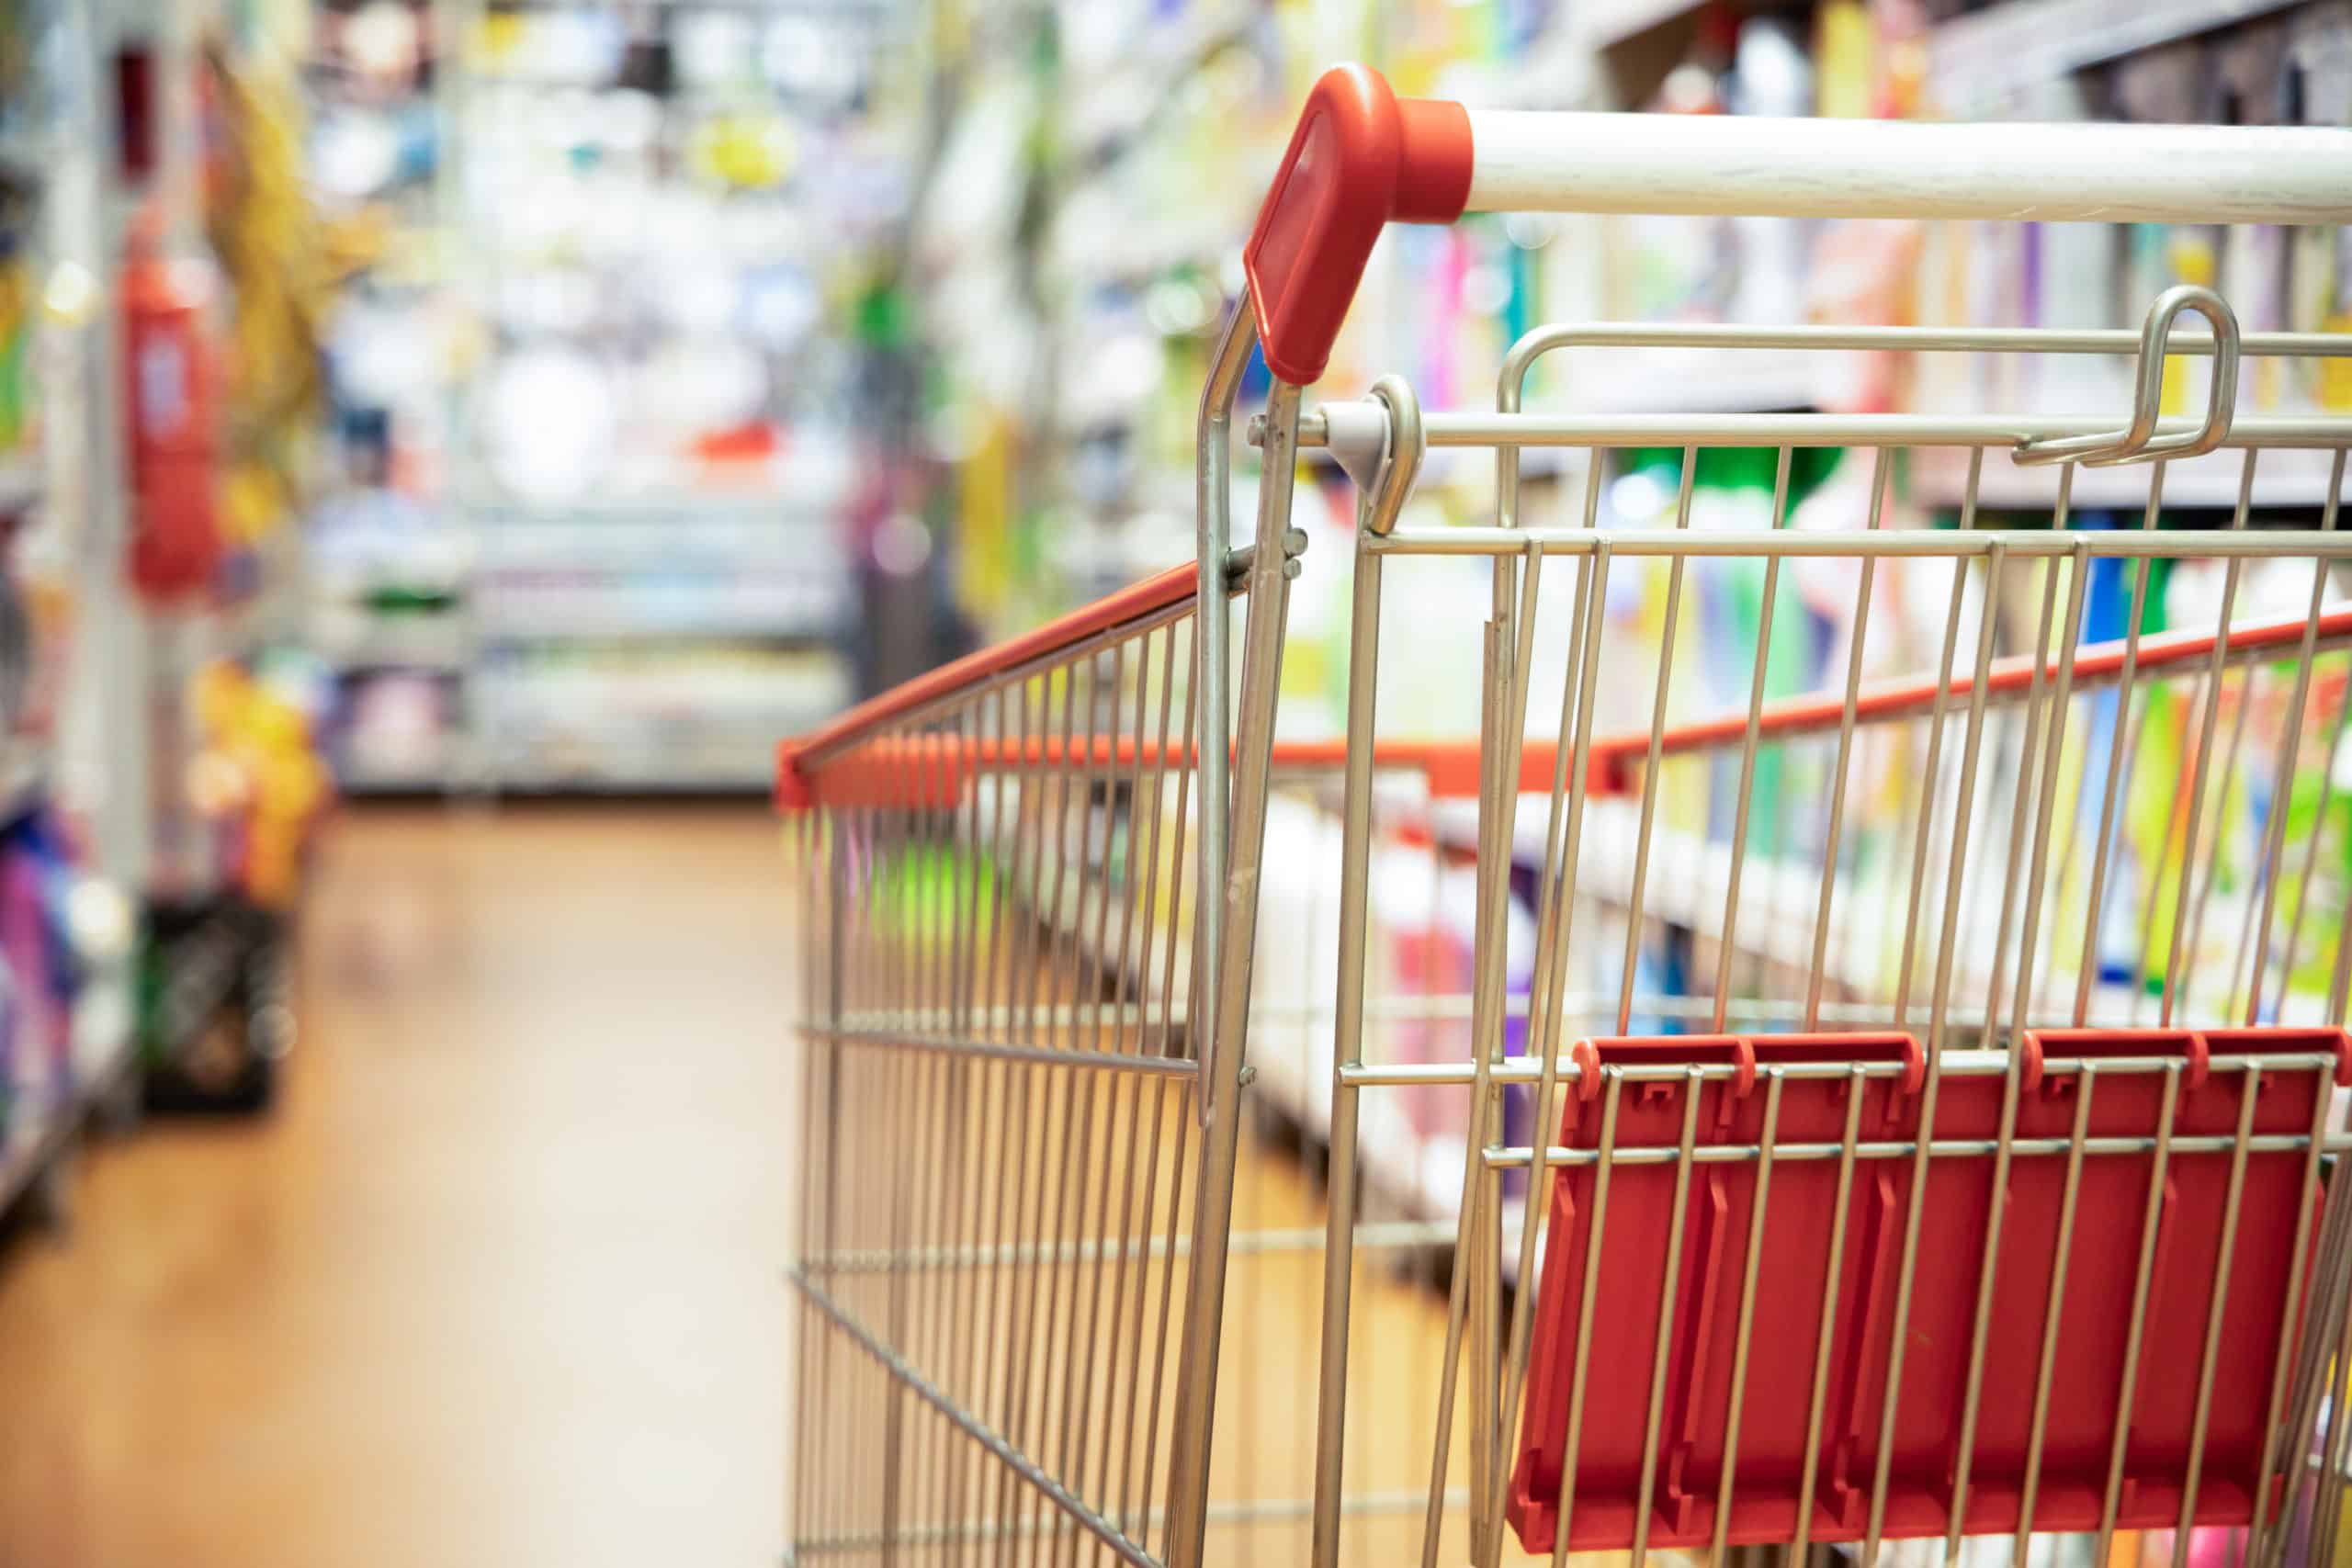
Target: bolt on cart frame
(1959,955)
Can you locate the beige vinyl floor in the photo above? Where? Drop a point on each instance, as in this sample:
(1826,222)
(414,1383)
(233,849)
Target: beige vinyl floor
(498,1283)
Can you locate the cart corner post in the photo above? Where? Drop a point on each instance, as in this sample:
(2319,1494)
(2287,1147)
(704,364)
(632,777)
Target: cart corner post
(1232,836)
(1359,159)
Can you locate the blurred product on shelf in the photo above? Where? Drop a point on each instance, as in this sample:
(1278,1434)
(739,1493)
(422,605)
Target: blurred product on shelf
(260,222)
(214,1006)
(171,384)
(231,856)
(258,779)
(20,295)
(56,924)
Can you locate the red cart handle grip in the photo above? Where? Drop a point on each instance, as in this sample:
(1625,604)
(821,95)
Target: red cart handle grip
(1360,159)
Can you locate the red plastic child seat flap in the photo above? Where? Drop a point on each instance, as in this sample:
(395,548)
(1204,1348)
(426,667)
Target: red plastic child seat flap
(1827,1262)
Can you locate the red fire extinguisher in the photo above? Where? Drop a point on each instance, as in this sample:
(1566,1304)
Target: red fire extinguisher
(174,449)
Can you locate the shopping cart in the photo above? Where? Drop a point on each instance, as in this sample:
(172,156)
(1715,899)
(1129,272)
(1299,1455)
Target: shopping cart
(2006,894)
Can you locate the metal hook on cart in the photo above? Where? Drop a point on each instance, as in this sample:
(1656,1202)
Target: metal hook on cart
(2140,443)
(1376,440)
(1404,446)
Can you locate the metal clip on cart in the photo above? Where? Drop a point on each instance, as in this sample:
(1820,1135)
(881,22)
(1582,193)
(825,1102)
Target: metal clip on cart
(1758,1291)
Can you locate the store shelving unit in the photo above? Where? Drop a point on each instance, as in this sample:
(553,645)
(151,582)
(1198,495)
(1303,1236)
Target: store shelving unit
(186,669)
(63,515)
(1983,54)
(2259,61)
(1979,60)
(623,197)
(388,552)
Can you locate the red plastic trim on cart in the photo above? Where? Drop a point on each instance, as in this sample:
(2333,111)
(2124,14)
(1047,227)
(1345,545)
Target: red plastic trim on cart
(2008,677)
(927,770)
(795,783)
(1360,159)
(1450,767)
(1795,1269)
(922,772)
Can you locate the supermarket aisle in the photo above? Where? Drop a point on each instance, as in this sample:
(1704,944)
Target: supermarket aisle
(498,1284)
